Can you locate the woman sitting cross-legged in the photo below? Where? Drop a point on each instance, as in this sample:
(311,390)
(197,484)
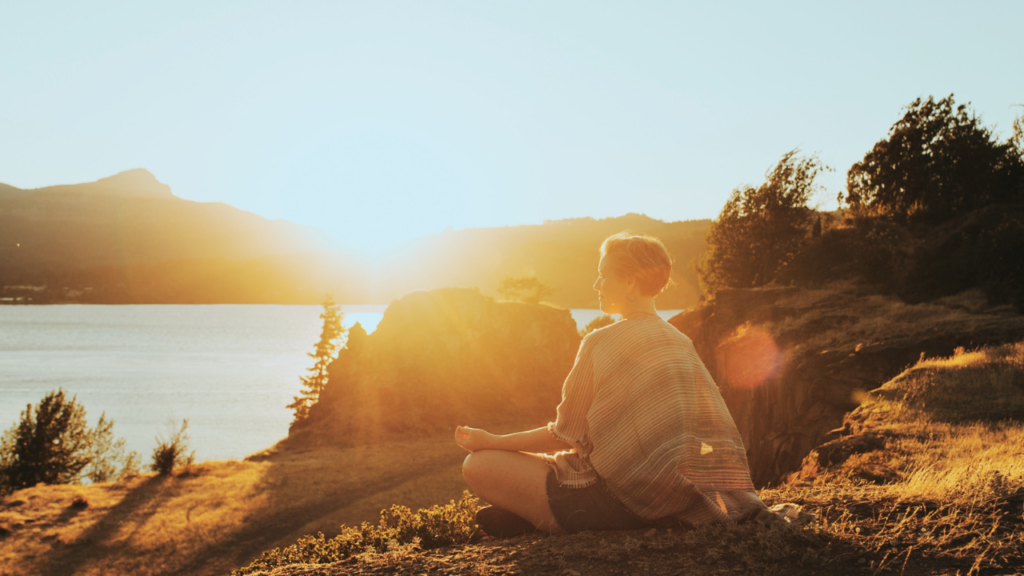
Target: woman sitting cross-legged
(642,436)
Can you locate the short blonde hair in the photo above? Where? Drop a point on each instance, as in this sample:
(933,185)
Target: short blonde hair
(641,257)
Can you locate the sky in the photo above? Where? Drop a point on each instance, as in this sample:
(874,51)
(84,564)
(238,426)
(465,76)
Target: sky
(382,121)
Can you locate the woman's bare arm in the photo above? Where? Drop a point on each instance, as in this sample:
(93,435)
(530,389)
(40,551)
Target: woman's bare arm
(539,441)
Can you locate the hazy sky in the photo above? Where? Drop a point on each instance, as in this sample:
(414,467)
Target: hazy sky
(381,121)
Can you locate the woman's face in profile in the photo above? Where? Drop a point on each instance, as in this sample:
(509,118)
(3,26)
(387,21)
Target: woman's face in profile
(611,289)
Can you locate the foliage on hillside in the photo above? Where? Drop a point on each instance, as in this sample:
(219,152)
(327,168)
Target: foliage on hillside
(933,209)
(937,162)
(977,250)
(761,228)
(399,531)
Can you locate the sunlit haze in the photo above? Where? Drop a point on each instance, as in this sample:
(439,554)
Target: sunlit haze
(379,122)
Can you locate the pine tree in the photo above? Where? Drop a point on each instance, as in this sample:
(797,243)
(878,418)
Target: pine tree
(49,445)
(323,353)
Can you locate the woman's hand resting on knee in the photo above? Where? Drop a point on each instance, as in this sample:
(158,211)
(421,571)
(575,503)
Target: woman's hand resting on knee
(473,439)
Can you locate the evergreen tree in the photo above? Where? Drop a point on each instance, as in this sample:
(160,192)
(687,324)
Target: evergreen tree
(50,444)
(323,353)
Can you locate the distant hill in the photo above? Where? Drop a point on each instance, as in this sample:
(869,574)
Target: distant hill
(562,254)
(131,218)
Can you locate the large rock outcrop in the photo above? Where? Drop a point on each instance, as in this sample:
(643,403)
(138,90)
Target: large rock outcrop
(792,362)
(441,358)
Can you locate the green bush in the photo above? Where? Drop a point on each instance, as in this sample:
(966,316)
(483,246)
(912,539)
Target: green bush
(761,229)
(399,527)
(52,444)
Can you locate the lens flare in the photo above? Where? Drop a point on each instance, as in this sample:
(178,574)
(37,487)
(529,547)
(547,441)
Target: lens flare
(748,358)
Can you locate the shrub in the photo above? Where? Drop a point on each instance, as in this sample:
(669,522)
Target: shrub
(399,528)
(875,251)
(107,454)
(982,249)
(760,229)
(52,444)
(938,161)
(170,453)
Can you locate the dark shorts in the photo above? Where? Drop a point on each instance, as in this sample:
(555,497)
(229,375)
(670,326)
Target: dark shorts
(590,508)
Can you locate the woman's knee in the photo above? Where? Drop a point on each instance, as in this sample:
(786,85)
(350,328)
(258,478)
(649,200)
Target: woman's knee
(475,466)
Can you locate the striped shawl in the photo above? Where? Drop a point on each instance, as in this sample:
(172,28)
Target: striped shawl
(642,413)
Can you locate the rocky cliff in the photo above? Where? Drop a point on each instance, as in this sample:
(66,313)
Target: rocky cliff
(792,362)
(441,358)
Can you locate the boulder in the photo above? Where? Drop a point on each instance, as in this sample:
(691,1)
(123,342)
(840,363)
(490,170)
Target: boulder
(442,358)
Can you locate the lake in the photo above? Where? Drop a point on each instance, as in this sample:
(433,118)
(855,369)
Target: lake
(229,369)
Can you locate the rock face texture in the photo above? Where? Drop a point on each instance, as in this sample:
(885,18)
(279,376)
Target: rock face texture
(792,362)
(443,358)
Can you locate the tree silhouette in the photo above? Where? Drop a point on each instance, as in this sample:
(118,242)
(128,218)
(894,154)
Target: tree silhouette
(938,161)
(760,229)
(323,353)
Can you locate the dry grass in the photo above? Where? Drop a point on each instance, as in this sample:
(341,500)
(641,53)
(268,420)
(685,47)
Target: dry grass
(837,318)
(953,431)
(218,515)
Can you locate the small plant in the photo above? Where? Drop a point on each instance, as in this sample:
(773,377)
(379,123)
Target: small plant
(399,532)
(170,453)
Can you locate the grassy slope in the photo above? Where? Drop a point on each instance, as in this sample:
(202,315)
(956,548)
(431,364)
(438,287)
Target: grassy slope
(220,515)
(937,491)
(953,438)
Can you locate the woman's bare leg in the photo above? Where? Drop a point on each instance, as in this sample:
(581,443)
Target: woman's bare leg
(513,481)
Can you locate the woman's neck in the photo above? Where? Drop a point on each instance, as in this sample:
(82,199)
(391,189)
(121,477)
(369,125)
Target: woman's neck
(642,307)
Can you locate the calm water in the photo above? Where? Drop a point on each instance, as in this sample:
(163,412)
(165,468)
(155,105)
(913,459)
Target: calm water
(229,369)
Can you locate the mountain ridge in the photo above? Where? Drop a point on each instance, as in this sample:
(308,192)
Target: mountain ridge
(137,182)
(128,239)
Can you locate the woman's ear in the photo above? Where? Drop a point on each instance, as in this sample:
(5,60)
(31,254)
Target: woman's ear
(631,287)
